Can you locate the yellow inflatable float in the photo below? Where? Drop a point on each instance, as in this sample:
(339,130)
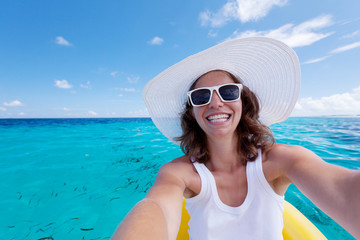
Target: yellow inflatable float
(296,225)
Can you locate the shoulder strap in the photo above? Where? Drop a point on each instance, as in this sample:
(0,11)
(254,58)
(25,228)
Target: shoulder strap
(200,168)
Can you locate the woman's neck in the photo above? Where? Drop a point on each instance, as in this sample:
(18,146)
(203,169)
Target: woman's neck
(224,155)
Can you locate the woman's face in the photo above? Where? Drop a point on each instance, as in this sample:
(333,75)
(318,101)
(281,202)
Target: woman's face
(217,119)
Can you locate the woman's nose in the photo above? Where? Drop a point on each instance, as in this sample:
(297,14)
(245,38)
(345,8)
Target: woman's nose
(215,100)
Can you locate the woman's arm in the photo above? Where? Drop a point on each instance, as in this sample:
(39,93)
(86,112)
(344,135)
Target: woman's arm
(334,189)
(158,215)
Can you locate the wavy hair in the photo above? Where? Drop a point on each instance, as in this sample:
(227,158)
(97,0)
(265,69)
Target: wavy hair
(252,134)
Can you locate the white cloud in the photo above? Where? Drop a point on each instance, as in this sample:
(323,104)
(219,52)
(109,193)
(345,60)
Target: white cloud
(22,114)
(62,41)
(337,104)
(300,35)
(335,51)
(346,48)
(212,34)
(139,113)
(351,35)
(227,13)
(62,84)
(2,109)
(86,86)
(156,41)
(66,109)
(242,10)
(316,60)
(348,21)
(128,89)
(15,103)
(92,113)
(114,73)
(134,79)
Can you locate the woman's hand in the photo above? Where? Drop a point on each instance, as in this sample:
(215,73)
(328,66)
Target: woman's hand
(158,216)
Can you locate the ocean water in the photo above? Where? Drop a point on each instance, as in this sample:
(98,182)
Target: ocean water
(77,178)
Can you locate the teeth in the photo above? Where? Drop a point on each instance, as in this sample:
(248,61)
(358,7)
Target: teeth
(219,118)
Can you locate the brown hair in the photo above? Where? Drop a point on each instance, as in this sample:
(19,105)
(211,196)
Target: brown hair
(251,133)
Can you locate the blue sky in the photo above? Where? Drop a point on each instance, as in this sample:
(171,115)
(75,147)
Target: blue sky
(93,58)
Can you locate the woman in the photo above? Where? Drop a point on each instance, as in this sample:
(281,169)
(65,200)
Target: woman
(233,175)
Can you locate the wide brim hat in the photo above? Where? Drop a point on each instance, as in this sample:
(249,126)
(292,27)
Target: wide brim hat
(268,67)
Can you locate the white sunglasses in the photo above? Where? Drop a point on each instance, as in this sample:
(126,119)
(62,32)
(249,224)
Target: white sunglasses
(229,92)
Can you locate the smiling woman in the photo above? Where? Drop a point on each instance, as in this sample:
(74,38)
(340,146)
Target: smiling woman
(233,175)
(249,107)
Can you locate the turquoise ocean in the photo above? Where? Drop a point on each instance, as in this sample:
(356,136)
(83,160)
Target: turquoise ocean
(77,178)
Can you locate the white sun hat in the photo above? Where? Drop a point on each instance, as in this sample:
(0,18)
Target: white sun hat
(268,67)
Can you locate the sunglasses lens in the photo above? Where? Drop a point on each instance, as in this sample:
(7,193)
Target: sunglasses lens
(200,97)
(229,92)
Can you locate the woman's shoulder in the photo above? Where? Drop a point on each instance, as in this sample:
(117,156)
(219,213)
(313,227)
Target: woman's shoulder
(287,156)
(276,161)
(179,163)
(183,169)
(279,152)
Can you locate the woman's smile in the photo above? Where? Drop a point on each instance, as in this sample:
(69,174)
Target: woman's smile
(216,118)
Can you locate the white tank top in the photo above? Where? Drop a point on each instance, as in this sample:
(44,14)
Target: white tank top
(259,216)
